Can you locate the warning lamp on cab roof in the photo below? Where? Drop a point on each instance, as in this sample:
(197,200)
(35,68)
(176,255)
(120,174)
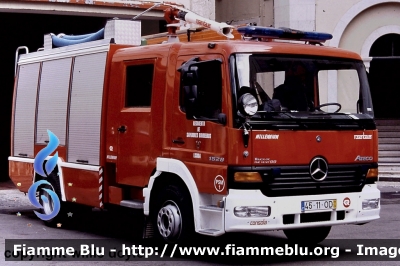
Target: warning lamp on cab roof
(283,33)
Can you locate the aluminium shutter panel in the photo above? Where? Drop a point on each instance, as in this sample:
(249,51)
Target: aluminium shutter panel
(53,100)
(86,108)
(25,110)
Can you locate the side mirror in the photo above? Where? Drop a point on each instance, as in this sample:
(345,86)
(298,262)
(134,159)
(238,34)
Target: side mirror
(189,81)
(198,85)
(222,118)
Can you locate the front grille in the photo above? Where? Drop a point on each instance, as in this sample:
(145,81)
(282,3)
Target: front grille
(313,217)
(296,180)
(288,219)
(288,181)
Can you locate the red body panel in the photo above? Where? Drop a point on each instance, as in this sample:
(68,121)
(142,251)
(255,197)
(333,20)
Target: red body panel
(135,151)
(115,195)
(21,174)
(300,147)
(82,186)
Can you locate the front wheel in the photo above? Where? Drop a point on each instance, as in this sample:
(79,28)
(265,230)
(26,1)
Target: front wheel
(173,215)
(312,235)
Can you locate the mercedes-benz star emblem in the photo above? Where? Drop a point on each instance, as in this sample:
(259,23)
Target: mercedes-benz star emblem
(318,169)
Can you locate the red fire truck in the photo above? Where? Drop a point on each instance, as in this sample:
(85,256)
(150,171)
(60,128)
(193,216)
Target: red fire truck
(203,136)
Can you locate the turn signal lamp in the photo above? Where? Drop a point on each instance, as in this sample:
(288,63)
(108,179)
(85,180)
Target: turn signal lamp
(248,177)
(372,173)
(283,33)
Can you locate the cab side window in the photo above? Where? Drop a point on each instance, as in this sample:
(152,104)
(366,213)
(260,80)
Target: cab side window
(201,90)
(139,84)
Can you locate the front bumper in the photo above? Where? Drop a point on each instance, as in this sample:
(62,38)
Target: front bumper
(291,207)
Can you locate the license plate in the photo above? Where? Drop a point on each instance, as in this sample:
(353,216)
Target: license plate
(313,205)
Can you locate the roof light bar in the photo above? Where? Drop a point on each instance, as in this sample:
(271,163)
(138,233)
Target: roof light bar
(284,33)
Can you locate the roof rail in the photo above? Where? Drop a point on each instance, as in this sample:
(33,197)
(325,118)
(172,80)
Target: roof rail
(17,55)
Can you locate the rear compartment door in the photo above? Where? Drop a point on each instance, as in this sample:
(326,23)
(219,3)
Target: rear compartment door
(134,123)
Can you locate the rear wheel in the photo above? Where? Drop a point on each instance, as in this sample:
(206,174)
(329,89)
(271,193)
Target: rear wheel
(173,215)
(48,204)
(312,235)
(67,210)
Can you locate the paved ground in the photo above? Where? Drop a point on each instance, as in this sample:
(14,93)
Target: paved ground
(12,199)
(100,225)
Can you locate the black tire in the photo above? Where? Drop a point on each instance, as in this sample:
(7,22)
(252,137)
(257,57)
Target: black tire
(312,235)
(49,206)
(172,215)
(65,207)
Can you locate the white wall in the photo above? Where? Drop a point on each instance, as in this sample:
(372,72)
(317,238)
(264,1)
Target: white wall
(355,25)
(296,14)
(368,21)
(205,8)
(328,13)
(240,12)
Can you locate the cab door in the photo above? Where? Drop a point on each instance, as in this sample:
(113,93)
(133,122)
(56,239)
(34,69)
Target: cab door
(134,123)
(198,133)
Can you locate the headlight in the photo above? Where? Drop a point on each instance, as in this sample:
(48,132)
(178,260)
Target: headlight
(248,104)
(253,211)
(369,204)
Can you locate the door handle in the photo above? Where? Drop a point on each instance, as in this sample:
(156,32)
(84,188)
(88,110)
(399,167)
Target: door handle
(121,129)
(178,141)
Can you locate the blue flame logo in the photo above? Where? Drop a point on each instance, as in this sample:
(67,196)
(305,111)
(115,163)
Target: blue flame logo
(32,197)
(48,168)
(46,151)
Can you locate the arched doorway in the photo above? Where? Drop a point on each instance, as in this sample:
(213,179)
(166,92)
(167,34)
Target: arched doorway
(384,79)
(384,76)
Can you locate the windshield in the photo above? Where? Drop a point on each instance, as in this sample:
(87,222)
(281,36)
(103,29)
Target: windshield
(301,88)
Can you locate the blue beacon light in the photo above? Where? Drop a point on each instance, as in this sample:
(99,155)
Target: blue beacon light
(283,33)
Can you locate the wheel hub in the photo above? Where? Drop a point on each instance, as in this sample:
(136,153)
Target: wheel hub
(169,221)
